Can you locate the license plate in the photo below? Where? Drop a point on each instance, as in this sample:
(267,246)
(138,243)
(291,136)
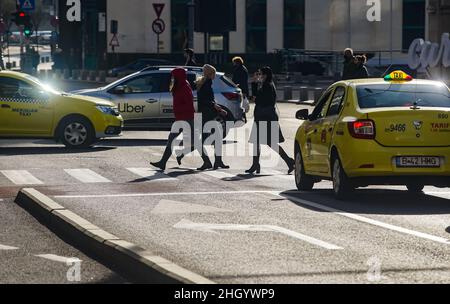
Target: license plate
(418,162)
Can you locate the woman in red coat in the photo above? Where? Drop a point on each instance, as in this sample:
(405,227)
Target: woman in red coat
(183,108)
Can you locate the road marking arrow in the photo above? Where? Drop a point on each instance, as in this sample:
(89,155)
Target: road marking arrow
(59,259)
(212,228)
(4,247)
(174,207)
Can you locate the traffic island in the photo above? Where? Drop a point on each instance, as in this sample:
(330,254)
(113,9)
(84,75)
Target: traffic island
(129,260)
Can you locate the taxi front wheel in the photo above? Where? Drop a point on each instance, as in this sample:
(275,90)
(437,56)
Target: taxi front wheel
(303,181)
(77,133)
(342,186)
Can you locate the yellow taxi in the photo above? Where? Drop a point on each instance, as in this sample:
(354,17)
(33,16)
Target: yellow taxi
(391,131)
(30,109)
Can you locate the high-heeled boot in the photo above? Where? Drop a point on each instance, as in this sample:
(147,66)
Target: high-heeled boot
(218,163)
(256,167)
(289,161)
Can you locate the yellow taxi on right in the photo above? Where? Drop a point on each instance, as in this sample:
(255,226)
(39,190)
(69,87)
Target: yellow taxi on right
(391,131)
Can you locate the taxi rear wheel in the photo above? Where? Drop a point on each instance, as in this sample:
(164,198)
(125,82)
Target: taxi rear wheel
(415,187)
(342,186)
(77,133)
(303,181)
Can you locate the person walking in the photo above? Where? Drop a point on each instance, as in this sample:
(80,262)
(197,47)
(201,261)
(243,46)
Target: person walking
(209,110)
(361,69)
(266,122)
(190,57)
(349,65)
(183,107)
(240,75)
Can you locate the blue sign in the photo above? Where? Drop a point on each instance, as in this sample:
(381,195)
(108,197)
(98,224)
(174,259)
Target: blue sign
(27,5)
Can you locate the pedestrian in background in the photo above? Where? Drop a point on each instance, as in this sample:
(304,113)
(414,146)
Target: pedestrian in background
(361,69)
(349,65)
(190,57)
(183,107)
(267,122)
(240,75)
(209,110)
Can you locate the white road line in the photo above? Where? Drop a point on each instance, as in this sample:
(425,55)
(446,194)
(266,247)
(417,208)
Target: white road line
(365,219)
(87,176)
(57,258)
(278,174)
(4,247)
(164,194)
(21,177)
(219,174)
(211,228)
(150,174)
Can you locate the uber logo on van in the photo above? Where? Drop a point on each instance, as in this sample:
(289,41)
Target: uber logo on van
(127,108)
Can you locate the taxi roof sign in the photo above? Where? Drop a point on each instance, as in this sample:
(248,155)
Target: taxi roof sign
(398,76)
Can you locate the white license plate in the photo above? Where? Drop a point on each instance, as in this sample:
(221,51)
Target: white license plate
(418,162)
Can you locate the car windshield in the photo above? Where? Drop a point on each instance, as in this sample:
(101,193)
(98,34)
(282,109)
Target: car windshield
(45,87)
(403,95)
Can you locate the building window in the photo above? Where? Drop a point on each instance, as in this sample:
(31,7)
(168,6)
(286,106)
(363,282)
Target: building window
(413,21)
(256,12)
(294,24)
(180,21)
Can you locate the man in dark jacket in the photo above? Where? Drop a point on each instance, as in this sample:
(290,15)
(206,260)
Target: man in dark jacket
(361,71)
(240,75)
(349,65)
(190,57)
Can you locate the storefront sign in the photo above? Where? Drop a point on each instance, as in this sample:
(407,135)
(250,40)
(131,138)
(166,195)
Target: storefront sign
(423,54)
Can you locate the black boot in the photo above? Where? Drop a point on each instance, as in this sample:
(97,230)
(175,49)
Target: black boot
(218,163)
(179,159)
(256,167)
(206,165)
(289,161)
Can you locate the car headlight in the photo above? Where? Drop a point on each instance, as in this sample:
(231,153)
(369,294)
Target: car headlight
(109,110)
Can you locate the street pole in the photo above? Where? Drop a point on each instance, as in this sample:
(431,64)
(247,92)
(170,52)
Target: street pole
(392,33)
(191,11)
(349,24)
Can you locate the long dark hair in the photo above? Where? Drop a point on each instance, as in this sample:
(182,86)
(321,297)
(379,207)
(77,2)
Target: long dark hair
(268,72)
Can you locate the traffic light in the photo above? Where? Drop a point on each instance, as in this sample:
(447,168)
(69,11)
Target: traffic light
(28,29)
(20,18)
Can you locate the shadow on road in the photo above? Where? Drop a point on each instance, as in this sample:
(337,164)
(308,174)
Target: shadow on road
(374,201)
(13,151)
(118,142)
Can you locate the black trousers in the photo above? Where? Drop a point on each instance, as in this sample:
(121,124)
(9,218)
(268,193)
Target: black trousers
(173,135)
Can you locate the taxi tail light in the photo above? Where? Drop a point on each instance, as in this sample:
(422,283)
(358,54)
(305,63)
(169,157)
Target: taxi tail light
(362,129)
(232,96)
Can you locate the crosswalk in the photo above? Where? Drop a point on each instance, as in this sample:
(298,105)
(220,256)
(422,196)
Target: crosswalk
(36,177)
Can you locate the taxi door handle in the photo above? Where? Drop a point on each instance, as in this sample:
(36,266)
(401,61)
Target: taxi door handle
(151,101)
(5,106)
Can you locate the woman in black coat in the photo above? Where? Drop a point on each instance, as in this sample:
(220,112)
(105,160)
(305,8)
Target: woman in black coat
(240,75)
(209,110)
(266,122)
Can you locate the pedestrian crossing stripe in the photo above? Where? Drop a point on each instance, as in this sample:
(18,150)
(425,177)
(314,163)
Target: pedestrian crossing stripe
(87,176)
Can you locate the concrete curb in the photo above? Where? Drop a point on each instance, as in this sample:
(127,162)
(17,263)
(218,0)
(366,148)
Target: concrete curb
(131,261)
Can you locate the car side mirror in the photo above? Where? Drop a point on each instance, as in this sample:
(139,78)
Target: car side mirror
(302,114)
(119,90)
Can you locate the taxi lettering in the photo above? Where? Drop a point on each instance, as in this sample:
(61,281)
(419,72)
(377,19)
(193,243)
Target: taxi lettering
(127,108)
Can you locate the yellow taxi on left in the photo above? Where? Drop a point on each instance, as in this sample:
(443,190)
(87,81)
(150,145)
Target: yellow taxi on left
(31,109)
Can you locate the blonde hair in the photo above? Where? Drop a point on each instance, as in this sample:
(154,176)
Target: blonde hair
(238,60)
(209,72)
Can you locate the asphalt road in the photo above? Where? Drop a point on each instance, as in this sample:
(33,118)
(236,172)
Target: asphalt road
(31,254)
(235,228)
